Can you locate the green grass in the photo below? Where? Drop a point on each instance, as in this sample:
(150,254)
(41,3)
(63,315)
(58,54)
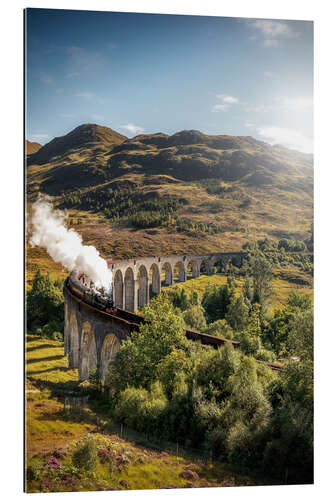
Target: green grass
(50,429)
(281,285)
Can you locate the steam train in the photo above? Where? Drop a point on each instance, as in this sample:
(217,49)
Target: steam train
(86,291)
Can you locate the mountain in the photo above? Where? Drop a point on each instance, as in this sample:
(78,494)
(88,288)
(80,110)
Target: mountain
(183,192)
(88,135)
(32,147)
(191,155)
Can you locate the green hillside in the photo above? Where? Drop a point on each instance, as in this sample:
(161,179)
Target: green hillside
(188,192)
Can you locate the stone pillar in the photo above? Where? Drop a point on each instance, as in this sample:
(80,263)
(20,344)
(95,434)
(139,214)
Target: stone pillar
(147,291)
(123,306)
(156,281)
(168,275)
(196,270)
(66,329)
(136,290)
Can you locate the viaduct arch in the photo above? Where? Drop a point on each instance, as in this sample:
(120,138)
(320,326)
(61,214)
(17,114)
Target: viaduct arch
(93,337)
(137,280)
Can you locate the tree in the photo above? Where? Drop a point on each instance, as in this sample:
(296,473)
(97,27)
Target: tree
(299,301)
(300,338)
(253,327)
(170,367)
(137,360)
(247,291)
(45,302)
(262,275)
(212,369)
(220,328)
(194,298)
(141,408)
(215,301)
(246,413)
(194,317)
(238,314)
(180,299)
(289,450)
(250,338)
(283,320)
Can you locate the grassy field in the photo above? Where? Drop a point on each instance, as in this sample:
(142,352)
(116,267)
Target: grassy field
(53,431)
(281,284)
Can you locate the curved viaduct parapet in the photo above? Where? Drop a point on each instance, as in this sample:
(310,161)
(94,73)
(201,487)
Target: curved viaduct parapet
(86,330)
(92,337)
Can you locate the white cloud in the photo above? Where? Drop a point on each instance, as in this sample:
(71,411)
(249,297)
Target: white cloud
(272,31)
(38,137)
(226,101)
(229,99)
(249,124)
(87,95)
(291,138)
(220,107)
(132,129)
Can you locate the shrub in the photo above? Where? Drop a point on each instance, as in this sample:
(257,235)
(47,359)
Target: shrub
(140,408)
(194,317)
(57,336)
(45,301)
(104,456)
(265,355)
(85,456)
(52,330)
(249,344)
(53,462)
(220,328)
(32,471)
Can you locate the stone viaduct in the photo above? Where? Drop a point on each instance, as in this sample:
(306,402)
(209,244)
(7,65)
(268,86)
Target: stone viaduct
(93,337)
(135,281)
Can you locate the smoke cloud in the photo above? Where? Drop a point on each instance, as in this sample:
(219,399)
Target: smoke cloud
(65,245)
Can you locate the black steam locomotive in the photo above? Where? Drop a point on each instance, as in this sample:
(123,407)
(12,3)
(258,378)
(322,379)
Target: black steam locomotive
(86,291)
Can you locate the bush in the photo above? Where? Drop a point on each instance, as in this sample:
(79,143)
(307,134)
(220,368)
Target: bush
(32,471)
(220,328)
(57,336)
(215,301)
(140,408)
(52,330)
(265,355)
(249,344)
(85,456)
(194,318)
(45,302)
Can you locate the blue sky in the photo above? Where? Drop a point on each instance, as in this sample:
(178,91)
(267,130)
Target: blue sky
(147,73)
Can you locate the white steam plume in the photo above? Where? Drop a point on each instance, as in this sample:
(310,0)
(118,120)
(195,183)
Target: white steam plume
(64,245)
